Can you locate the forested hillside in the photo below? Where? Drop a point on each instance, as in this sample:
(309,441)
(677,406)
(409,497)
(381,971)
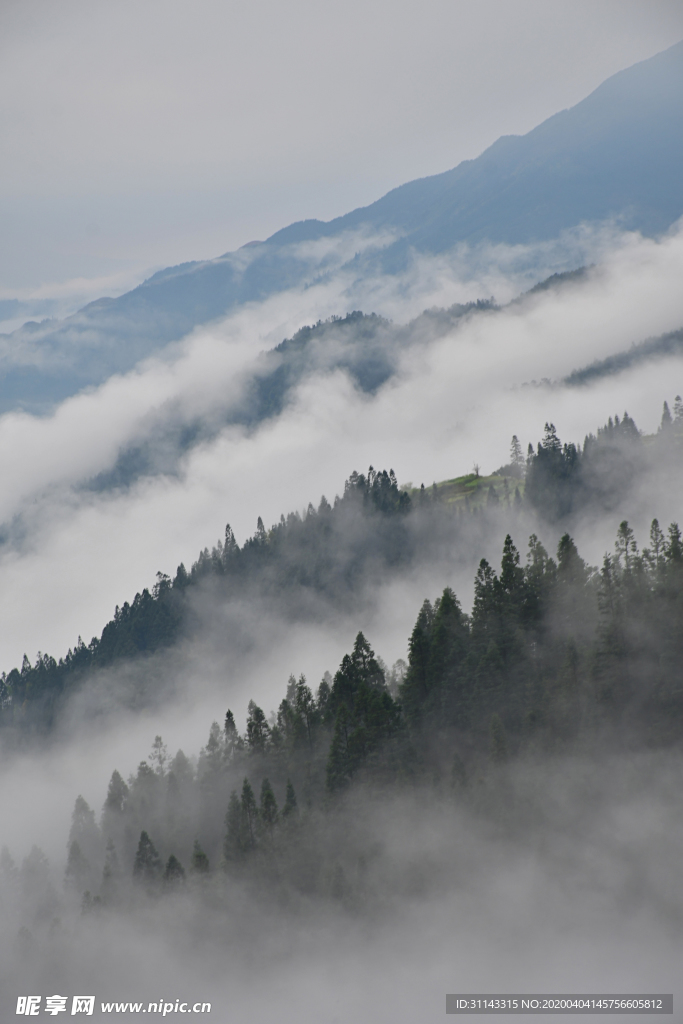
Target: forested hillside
(364,345)
(555,654)
(372,530)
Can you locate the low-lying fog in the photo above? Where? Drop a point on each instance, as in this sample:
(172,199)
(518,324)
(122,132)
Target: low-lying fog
(563,881)
(569,883)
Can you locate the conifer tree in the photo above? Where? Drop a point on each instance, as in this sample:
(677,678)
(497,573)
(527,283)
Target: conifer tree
(230,734)
(516,457)
(158,757)
(117,794)
(338,762)
(268,812)
(230,546)
(84,832)
(249,817)
(147,866)
(174,873)
(257,728)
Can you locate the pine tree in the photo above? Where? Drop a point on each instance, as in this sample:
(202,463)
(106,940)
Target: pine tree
(656,553)
(338,770)
(84,832)
(249,817)
(268,812)
(158,757)
(230,546)
(147,865)
(512,575)
(417,682)
(516,457)
(230,734)
(174,873)
(551,442)
(305,707)
(257,728)
(117,794)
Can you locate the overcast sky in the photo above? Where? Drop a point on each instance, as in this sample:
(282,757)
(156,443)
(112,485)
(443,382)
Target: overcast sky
(139,134)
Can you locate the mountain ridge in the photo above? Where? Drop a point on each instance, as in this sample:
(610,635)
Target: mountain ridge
(615,157)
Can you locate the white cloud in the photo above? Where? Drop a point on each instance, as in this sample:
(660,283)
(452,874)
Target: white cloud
(454,401)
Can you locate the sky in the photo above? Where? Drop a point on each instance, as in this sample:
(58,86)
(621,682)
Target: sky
(140,135)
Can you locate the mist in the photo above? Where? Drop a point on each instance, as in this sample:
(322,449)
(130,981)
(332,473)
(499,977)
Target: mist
(453,399)
(559,871)
(571,883)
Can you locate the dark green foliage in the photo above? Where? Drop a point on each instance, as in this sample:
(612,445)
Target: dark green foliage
(268,808)
(365,715)
(653,348)
(555,654)
(174,873)
(460,671)
(248,817)
(258,729)
(310,553)
(366,357)
(147,865)
(432,685)
(564,479)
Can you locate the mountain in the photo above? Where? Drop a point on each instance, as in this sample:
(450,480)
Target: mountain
(614,156)
(652,348)
(326,562)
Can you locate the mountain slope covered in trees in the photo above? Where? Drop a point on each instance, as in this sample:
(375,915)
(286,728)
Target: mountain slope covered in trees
(325,558)
(556,656)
